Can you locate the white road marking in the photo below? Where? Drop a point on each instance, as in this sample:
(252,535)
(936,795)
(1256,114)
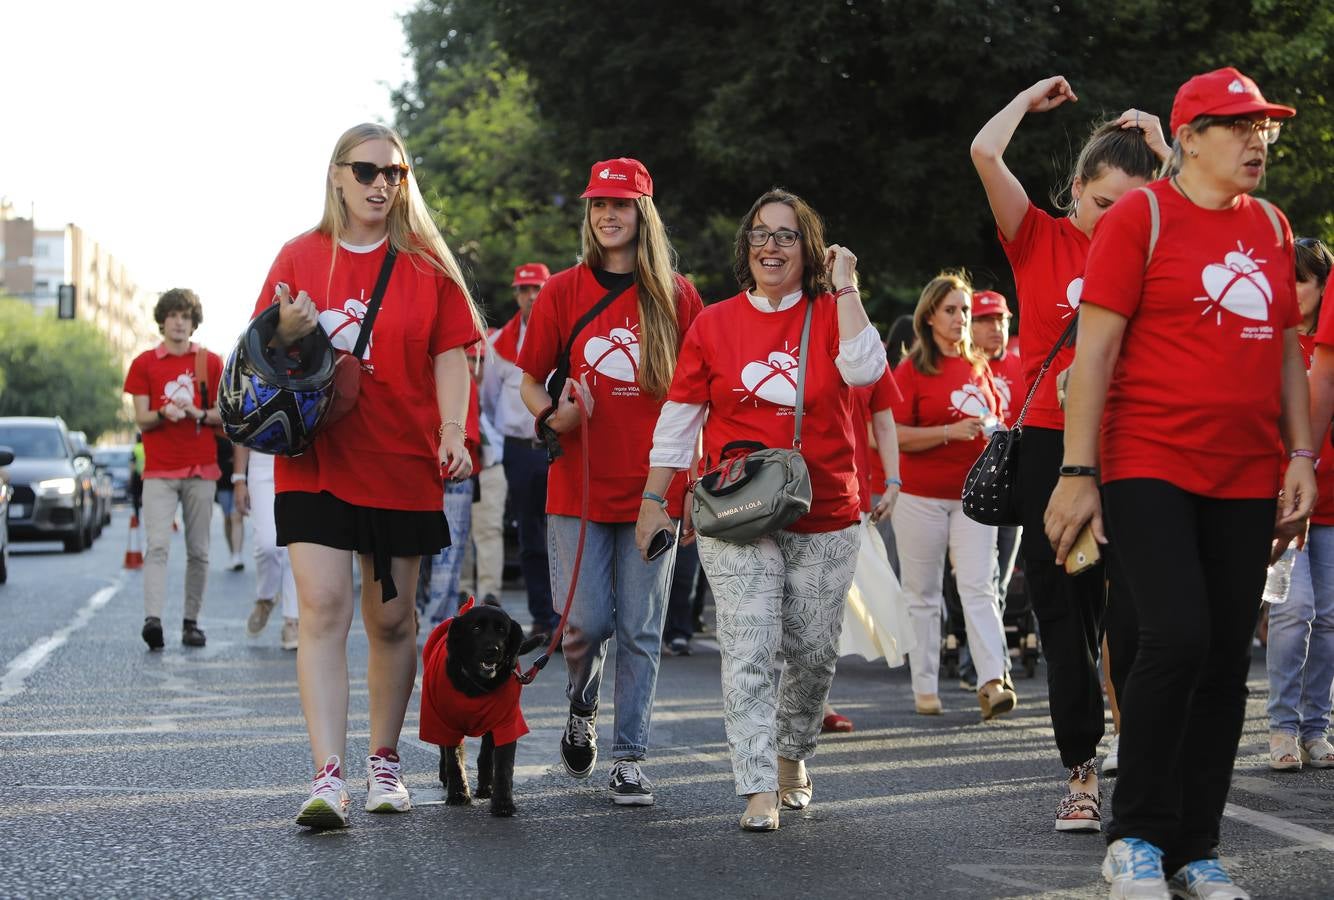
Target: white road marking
(1307,837)
(14,681)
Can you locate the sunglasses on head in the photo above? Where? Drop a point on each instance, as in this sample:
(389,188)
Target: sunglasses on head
(365,172)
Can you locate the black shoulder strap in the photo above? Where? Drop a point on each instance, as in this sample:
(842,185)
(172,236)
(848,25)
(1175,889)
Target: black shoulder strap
(377,296)
(801,373)
(1067,338)
(582,322)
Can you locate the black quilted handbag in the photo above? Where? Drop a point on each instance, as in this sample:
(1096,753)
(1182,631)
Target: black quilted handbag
(989,495)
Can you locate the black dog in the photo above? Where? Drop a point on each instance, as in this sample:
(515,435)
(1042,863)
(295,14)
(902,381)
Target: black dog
(469,688)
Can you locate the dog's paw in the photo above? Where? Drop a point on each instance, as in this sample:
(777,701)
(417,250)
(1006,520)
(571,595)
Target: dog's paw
(502,806)
(458,798)
(483,792)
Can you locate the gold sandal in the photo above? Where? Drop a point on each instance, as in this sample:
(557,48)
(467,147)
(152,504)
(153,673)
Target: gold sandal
(793,792)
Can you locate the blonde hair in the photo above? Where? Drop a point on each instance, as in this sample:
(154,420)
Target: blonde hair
(655,277)
(924,354)
(412,230)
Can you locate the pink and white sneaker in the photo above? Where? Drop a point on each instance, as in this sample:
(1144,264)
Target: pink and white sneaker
(326,807)
(385,790)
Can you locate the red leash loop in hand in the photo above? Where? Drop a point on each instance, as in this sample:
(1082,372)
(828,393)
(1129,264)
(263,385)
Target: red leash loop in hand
(540,663)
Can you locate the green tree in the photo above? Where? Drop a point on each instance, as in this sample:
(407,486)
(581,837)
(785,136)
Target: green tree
(50,367)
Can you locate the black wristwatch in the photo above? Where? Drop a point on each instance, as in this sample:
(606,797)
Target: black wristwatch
(1079,471)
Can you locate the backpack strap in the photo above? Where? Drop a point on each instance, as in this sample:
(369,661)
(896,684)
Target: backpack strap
(1155,223)
(1272,215)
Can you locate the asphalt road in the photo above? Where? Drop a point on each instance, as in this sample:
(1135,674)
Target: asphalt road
(125,773)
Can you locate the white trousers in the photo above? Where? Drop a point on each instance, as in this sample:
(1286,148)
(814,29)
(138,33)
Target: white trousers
(925,529)
(273,568)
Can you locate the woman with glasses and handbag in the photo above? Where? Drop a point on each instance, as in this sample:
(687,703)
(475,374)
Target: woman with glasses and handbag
(1300,654)
(1047,254)
(369,488)
(1188,380)
(773,367)
(611,328)
(948,409)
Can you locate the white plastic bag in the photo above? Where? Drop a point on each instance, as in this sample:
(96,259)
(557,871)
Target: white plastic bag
(875,616)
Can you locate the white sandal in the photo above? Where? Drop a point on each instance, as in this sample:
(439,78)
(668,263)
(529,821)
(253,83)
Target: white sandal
(1319,753)
(1285,753)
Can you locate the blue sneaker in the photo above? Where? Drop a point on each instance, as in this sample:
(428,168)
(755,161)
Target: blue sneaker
(1205,879)
(1134,869)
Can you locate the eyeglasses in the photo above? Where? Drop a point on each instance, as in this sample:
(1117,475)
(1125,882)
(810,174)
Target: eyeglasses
(1243,126)
(365,172)
(783,237)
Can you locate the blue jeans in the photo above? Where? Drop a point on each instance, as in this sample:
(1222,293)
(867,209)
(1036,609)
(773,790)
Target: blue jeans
(442,592)
(1300,656)
(619,595)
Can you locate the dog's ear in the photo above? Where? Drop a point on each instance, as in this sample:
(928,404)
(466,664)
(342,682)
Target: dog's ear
(514,643)
(490,601)
(532,642)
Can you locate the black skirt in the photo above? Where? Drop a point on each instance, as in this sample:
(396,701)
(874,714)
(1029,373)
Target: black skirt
(303,517)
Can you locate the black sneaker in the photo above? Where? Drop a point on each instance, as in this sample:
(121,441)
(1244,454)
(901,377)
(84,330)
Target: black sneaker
(152,633)
(679,646)
(629,786)
(191,636)
(579,743)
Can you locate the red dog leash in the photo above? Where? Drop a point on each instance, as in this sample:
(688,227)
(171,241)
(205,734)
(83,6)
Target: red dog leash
(540,663)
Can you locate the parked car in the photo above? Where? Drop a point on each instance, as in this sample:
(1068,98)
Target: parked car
(54,496)
(101,482)
(6,457)
(117,459)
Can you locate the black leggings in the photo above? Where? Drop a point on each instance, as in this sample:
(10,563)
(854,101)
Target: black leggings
(1194,569)
(1069,609)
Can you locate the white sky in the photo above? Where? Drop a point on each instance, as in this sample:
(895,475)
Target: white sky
(189,139)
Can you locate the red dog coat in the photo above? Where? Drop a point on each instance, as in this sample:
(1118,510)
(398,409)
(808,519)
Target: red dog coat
(448,714)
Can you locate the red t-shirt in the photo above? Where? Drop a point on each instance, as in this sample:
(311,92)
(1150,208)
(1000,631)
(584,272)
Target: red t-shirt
(743,363)
(1047,256)
(620,430)
(1007,377)
(1195,396)
(165,378)
(448,715)
(384,453)
(867,401)
(1323,514)
(958,391)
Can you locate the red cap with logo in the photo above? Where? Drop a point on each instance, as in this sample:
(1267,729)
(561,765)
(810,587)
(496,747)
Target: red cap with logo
(1222,92)
(531,273)
(989,303)
(620,177)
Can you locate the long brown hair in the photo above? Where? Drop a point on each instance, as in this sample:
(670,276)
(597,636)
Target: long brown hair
(814,280)
(655,278)
(412,231)
(925,355)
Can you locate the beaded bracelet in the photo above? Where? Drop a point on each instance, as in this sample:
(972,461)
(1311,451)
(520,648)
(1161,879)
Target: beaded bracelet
(1302,454)
(457,424)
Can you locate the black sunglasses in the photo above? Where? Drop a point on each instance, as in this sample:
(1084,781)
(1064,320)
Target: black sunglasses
(365,172)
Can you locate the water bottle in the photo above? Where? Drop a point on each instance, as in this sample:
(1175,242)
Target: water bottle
(1280,574)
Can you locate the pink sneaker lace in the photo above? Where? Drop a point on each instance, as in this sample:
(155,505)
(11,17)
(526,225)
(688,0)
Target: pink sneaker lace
(330,778)
(384,769)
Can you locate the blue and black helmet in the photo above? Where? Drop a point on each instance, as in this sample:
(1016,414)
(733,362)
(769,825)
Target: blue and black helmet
(275,400)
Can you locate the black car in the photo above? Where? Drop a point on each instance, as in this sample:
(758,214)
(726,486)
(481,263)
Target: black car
(54,491)
(6,457)
(117,459)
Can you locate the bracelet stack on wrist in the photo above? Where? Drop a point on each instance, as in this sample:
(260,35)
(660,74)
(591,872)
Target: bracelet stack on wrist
(457,424)
(849,289)
(1302,454)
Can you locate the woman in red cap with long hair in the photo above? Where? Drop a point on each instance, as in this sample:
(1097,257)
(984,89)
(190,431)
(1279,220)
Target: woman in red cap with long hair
(1047,254)
(621,360)
(1187,372)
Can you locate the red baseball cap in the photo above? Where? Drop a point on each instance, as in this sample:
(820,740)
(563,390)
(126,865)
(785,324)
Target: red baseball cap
(531,273)
(989,303)
(1222,92)
(620,177)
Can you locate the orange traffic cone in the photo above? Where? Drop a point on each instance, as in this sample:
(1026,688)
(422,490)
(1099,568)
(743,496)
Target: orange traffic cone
(134,551)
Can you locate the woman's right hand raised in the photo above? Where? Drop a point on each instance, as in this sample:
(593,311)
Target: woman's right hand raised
(965,429)
(297,316)
(1049,93)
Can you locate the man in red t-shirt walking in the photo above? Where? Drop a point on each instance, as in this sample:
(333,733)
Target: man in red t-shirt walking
(174,386)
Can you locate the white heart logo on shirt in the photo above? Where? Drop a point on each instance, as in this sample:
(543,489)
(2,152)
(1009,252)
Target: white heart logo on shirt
(344,326)
(616,355)
(1238,285)
(181,391)
(969,401)
(774,379)
(1074,291)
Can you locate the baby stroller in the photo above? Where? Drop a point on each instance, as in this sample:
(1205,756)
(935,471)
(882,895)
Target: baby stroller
(1021,626)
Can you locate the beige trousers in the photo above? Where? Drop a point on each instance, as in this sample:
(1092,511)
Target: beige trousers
(486,550)
(161,497)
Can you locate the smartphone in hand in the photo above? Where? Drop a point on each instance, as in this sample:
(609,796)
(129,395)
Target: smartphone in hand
(1084,553)
(660,543)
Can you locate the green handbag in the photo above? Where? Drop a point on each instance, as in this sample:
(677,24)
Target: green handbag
(749,495)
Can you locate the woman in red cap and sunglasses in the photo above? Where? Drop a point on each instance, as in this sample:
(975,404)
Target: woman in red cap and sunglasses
(1048,254)
(371,484)
(1187,374)
(620,314)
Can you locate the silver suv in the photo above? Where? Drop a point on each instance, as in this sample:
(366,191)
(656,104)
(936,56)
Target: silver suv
(53,483)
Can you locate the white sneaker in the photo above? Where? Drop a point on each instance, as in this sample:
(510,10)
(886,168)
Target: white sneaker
(385,790)
(326,807)
(237,563)
(1134,869)
(288,640)
(1110,761)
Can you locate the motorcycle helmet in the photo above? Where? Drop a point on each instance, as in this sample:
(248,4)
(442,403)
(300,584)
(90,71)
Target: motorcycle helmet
(271,399)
